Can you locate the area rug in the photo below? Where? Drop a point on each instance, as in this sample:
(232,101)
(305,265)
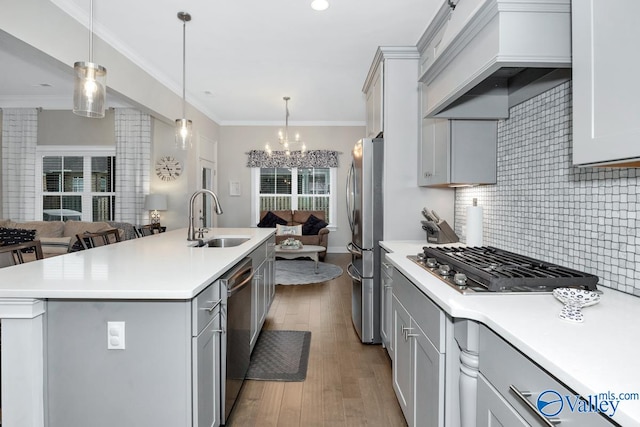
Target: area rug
(280,356)
(302,272)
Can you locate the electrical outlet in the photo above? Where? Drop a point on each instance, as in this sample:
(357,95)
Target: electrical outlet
(115,336)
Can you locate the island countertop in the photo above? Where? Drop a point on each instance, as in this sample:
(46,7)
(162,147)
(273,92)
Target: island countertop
(162,266)
(593,357)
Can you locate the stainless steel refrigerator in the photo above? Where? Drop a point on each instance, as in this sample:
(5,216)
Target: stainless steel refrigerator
(364,211)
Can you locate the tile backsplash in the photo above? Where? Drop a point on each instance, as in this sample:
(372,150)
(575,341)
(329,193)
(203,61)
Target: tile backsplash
(543,207)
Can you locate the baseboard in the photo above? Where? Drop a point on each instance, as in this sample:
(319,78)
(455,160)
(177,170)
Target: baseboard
(337,250)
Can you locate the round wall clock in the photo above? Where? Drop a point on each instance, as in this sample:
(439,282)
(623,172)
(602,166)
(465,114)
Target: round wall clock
(168,168)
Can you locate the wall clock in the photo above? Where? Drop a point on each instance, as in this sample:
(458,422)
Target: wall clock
(168,168)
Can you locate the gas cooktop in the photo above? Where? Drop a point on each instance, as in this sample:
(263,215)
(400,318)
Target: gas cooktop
(488,269)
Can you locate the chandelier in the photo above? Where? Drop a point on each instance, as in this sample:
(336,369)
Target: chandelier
(283,137)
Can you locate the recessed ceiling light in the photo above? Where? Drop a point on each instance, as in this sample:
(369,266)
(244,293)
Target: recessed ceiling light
(208,93)
(319,5)
(42,85)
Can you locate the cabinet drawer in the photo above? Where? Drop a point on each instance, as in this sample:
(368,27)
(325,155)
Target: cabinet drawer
(424,311)
(258,255)
(505,367)
(385,267)
(205,306)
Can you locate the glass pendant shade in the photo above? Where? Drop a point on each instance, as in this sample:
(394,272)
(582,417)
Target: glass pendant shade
(89,87)
(184,132)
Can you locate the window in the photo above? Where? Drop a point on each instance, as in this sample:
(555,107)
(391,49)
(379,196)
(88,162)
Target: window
(76,183)
(295,189)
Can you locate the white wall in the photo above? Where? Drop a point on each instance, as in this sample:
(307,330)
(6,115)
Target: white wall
(237,141)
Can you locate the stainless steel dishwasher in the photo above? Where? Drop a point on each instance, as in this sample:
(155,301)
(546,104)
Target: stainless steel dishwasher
(237,283)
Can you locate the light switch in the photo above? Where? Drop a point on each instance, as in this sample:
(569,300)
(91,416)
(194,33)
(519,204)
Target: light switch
(115,336)
(235,189)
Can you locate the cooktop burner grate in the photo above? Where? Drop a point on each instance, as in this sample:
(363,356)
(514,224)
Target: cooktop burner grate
(502,271)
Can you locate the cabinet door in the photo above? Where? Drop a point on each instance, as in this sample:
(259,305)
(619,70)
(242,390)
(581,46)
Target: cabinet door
(374,104)
(605,86)
(257,302)
(402,369)
(493,410)
(434,152)
(206,375)
(428,374)
(386,298)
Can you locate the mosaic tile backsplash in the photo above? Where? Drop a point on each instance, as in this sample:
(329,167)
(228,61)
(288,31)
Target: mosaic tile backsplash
(543,207)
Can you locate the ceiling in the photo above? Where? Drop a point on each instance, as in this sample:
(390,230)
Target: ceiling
(244,56)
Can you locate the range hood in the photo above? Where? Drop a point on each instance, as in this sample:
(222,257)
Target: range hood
(481,57)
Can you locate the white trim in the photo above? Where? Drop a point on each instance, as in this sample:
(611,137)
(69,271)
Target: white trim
(83,151)
(333,196)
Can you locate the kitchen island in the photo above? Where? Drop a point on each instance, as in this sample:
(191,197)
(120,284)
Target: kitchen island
(152,281)
(591,358)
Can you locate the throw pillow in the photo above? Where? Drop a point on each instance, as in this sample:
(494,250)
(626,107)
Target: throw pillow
(312,226)
(270,220)
(288,230)
(13,236)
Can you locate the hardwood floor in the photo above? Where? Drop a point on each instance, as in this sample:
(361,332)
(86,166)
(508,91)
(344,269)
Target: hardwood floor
(347,384)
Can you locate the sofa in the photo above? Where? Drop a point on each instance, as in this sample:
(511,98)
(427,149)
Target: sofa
(310,221)
(58,237)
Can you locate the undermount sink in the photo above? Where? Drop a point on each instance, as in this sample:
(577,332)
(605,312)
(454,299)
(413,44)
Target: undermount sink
(223,242)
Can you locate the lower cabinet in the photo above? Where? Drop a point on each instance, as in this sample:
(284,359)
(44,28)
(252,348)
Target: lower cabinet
(510,384)
(207,402)
(262,287)
(418,363)
(386,298)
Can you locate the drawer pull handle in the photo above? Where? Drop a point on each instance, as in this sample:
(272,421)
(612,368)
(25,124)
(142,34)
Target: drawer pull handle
(388,286)
(218,331)
(213,307)
(522,395)
(405,332)
(386,265)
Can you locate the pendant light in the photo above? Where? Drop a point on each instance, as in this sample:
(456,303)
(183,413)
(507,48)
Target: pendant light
(90,83)
(184,129)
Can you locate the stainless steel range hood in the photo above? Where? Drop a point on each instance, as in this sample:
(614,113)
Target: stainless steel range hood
(482,57)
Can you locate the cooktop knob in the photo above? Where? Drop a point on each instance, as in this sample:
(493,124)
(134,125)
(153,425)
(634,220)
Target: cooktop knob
(460,279)
(421,256)
(444,270)
(432,263)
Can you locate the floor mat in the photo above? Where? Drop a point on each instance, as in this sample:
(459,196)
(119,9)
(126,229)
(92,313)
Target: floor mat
(280,356)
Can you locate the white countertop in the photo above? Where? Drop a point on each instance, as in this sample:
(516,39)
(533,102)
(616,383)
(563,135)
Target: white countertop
(160,266)
(593,357)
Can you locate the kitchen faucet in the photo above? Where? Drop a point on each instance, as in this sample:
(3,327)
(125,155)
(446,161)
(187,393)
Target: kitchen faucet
(191,234)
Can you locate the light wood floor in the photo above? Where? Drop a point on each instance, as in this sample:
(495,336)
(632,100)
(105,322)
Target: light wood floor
(347,384)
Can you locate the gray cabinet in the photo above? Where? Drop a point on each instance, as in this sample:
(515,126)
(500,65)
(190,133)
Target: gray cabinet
(262,286)
(386,299)
(207,375)
(516,383)
(373,94)
(457,152)
(418,366)
(605,85)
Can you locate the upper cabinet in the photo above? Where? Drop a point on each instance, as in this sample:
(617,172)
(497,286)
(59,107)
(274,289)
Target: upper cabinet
(374,103)
(605,86)
(457,152)
(479,57)
(391,91)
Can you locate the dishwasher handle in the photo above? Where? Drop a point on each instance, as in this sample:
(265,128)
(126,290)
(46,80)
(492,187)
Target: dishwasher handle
(237,287)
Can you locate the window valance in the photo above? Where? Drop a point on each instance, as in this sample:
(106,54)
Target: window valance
(278,159)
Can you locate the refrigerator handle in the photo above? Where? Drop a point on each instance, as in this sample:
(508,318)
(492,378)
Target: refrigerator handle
(349,194)
(353,250)
(353,276)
